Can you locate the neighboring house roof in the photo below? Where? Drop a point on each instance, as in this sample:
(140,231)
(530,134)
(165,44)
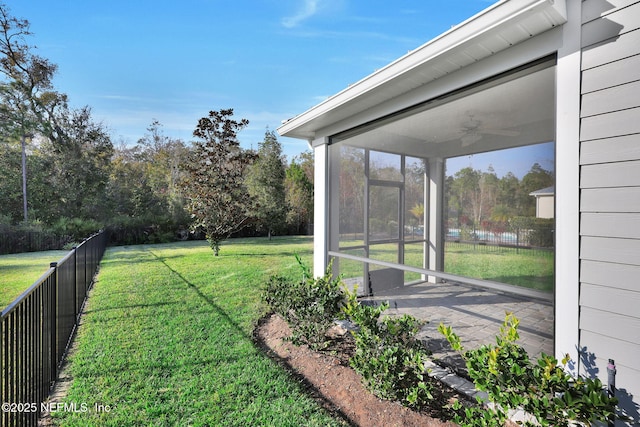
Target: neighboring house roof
(549,191)
(497,28)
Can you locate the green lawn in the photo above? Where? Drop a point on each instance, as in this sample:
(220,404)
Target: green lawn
(166,339)
(19,271)
(527,268)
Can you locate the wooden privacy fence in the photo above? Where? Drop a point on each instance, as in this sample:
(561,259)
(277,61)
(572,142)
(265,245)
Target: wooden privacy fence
(36,329)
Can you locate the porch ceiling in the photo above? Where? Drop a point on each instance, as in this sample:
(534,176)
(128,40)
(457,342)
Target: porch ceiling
(499,27)
(516,112)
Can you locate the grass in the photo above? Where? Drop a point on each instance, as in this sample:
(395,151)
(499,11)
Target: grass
(19,271)
(526,268)
(166,340)
(532,269)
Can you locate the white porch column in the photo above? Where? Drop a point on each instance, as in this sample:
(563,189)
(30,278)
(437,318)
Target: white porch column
(434,214)
(320,206)
(567,286)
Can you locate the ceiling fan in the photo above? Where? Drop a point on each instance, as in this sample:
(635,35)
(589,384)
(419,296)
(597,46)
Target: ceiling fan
(473,130)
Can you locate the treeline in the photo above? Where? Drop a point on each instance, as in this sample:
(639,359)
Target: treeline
(480,202)
(60,171)
(474,198)
(137,191)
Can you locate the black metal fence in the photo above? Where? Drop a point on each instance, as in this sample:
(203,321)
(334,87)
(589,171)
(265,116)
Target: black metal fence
(537,236)
(36,329)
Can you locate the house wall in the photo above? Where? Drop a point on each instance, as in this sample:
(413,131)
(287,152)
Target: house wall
(610,194)
(545,206)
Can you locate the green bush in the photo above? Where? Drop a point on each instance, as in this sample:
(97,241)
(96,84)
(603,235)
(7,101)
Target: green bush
(387,356)
(543,389)
(309,306)
(467,234)
(127,230)
(75,228)
(5,222)
(539,231)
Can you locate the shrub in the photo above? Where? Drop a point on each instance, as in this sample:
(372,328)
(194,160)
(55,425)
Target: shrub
(543,389)
(30,236)
(76,228)
(467,234)
(5,222)
(126,230)
(387,356)
(310,306)
(538,231)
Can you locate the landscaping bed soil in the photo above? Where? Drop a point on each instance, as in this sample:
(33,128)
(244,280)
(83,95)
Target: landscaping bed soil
(337,387)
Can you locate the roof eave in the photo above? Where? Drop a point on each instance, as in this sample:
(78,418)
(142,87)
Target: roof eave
(496,28)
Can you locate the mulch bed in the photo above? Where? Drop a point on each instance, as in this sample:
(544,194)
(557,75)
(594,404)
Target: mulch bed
(328,377)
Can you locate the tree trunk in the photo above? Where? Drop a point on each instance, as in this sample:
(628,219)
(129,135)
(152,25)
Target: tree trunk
(214,244)
(24,175)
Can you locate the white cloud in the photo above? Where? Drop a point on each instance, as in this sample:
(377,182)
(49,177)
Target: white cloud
(365,35)
(308,9)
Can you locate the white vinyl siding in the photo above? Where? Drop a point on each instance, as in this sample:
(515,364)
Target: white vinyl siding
(610,192)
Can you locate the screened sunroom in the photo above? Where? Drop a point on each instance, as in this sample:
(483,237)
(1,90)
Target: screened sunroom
(387,154)
(388,217)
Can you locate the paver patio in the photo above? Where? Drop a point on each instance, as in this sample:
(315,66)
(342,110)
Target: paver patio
(475,314)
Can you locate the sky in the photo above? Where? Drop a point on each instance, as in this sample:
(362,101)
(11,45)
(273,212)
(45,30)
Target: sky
(515,160)
(136,61)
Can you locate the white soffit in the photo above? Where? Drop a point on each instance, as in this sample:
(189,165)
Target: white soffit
(498,27)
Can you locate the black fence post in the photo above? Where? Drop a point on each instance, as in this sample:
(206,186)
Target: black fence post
(76,311)
(37,327)
(53,300)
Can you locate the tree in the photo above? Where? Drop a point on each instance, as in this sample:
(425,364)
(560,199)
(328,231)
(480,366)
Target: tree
(352,189)
(418,212)
(10,187)
(214,184)
(79,162)
(299,194)
(476,197)
(144,195)
(162,157)
(130,194)
(265,182)
(507,203)
(26,91)
(473,194)
(466,192)
(414,187)
(536,179)
(305,160)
